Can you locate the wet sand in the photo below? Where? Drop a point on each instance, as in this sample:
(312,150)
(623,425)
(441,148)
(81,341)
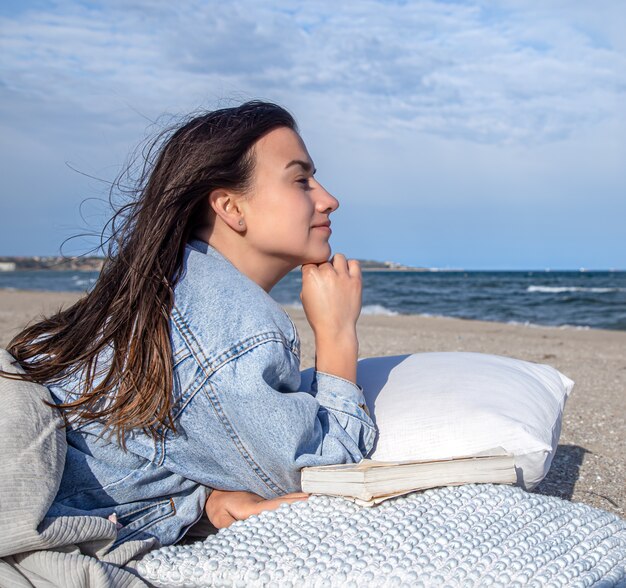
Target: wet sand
(590,464)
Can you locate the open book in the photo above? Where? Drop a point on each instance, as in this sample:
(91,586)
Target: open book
(370,482)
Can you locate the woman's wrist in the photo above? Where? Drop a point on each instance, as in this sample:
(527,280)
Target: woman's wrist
(337,355)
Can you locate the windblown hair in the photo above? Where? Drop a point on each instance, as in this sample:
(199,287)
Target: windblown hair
(126,316)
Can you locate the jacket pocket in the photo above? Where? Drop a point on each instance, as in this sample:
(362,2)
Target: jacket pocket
(141,517)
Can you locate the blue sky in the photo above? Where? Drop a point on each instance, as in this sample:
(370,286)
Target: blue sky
(481,135)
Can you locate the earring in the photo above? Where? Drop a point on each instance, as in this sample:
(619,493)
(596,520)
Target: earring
(241,222)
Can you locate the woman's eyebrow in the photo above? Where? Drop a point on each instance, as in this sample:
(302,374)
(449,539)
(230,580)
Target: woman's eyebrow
(307,166)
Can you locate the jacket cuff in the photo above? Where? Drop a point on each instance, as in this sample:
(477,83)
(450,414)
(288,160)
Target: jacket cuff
(339,394)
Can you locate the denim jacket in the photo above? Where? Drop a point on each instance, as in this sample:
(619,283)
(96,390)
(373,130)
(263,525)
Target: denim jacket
(241,421)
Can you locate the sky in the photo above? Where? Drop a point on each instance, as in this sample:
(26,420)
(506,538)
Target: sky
(455,134)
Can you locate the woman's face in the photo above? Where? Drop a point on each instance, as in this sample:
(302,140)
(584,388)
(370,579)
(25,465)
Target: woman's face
(286,210)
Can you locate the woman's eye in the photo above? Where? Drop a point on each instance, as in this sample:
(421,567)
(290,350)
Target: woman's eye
(305,183)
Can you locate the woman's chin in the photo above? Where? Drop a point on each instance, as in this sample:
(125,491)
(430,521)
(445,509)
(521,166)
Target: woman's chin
(320,257)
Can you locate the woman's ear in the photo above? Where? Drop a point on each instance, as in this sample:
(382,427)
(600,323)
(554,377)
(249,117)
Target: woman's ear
(226,205)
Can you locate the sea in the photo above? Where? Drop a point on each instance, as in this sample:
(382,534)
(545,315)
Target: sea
(578,299)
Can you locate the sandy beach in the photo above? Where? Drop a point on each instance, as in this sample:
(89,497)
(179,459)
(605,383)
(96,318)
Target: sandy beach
(590,464)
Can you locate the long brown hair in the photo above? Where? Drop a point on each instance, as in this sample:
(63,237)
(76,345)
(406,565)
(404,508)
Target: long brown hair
(127,313)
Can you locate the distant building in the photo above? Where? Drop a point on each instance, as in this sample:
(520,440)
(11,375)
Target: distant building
(7,266)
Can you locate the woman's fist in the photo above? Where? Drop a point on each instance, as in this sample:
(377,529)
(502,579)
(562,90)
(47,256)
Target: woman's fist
(331,296)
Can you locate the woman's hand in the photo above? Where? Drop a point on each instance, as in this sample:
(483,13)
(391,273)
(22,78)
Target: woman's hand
(331,297)
(225,507)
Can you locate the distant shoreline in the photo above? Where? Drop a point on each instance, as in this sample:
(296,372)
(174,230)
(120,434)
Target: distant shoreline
(6,267)
(95,264)
(56,263)
(364,269)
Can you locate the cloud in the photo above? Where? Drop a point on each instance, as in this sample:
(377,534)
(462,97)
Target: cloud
(510,74)
(438,112)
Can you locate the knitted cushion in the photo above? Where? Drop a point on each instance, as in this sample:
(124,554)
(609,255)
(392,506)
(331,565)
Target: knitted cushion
(472,535)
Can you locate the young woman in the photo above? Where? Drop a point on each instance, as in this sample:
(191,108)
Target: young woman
(178,374)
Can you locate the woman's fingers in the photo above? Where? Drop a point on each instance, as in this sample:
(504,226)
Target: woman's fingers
(339,263)
(331,296)
(224,508)
(342,265)
(274,503)
(222,519)
(354,268)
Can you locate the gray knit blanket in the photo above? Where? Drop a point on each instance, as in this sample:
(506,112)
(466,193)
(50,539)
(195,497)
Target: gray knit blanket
(37,551)
(472,535)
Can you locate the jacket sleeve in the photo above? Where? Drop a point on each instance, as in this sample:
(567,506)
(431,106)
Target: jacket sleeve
(250,427)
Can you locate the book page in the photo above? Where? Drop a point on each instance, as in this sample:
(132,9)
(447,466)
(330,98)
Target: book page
(366,464)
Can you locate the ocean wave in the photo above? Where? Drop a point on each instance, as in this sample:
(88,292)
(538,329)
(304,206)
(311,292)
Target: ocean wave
(545,325)
(559,289)
(367,309)
(82,281)
(377,309)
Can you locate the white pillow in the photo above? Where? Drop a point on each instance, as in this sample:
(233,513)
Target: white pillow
(447,404)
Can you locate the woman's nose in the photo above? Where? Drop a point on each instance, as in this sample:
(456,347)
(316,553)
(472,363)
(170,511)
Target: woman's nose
(326,202)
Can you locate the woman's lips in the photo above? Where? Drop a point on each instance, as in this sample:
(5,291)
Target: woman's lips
(326,228)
